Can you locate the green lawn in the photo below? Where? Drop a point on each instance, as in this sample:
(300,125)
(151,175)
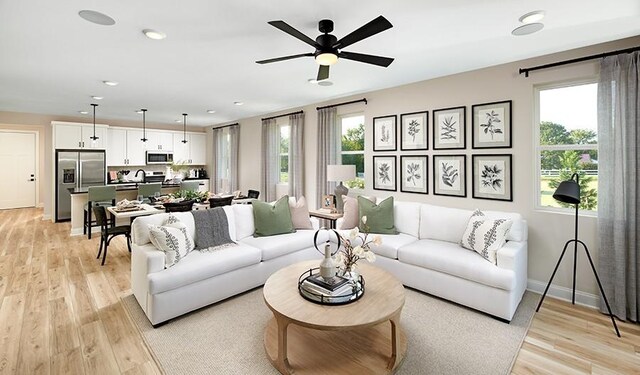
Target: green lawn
(547,193)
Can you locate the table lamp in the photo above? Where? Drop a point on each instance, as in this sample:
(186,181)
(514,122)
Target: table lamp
(569,192)
(340,173)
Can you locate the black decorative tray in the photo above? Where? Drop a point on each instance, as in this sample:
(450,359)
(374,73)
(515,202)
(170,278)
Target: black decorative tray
(316,296)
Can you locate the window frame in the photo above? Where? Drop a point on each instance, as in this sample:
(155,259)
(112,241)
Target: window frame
(538,148)
(340,152)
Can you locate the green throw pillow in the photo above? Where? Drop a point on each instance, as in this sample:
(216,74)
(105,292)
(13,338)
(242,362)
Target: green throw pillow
(271,219)
(379,217)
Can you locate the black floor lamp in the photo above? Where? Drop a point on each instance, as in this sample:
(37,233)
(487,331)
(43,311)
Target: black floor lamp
(569,192)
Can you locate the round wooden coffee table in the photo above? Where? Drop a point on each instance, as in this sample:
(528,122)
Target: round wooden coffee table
(362,337)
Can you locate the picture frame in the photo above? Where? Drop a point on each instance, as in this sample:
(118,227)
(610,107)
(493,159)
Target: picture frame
(491,125)
(450,175)
(384,173)
(329,202)
(414,131)
(450,128)
(414,174)
(385,133)
(492,177)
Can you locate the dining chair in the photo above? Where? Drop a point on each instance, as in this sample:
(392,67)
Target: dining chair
(183,206)
(149,190)
(219,202)
(97,196)
(107,232)
(253,194)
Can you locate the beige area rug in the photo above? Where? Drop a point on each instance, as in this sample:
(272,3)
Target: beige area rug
(443,338)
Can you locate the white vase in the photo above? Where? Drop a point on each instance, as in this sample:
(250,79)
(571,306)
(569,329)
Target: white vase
(328,265)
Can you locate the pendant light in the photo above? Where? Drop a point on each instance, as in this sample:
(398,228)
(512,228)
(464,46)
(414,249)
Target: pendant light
(184,128)
(144,125)
(94,138)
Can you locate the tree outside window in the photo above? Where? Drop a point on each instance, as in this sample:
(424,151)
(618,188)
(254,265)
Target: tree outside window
(352,147)
(284,153)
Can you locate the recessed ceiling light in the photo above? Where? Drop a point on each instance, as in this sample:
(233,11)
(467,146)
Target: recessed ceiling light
(211,111)
(532,17)
(527,29)
(325,82)
(83,112)
(96,17)
(238,103)
(110,83)
(154,34)
(97,97)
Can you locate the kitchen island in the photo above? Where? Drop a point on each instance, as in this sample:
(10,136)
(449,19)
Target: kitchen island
(123,191)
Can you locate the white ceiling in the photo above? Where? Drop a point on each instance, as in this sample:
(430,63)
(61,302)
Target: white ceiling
(52,61)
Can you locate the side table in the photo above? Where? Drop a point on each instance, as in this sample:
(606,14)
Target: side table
(330,217)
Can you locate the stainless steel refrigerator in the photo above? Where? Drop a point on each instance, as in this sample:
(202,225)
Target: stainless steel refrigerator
(76,169)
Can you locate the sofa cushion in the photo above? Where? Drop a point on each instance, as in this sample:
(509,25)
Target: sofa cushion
(390,243)
(200,266)
(407,218)
(457,261)
(443,223)
(485,236)
(379,216)
(271,219)
(243,217)
(283,244)
(140,227)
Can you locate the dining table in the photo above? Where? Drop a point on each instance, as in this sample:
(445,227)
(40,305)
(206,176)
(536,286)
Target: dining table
(143,209)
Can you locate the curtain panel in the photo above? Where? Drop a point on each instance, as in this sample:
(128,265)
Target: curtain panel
(328,150)
(270,171)
(618,184)
(224,169)
(234,157)
(296,155)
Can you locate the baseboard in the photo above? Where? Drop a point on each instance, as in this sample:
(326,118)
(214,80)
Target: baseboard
(560,292)
(40,205)
(46,217)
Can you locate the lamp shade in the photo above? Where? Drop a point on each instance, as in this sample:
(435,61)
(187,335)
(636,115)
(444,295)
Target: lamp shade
(568,192)
(341,172)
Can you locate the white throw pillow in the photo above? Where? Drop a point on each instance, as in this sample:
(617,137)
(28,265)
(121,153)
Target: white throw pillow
(485,236)
(351,217)
(173,238)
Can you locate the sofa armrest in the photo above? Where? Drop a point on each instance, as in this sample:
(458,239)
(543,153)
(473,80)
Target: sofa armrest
(339,223)
(146,259)
(513,256)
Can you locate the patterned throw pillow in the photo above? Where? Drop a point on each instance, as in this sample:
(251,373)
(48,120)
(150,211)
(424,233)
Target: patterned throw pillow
(173,238)
(485,236)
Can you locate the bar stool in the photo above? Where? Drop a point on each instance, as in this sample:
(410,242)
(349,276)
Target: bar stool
(97,196)
(149,190)
(190,185)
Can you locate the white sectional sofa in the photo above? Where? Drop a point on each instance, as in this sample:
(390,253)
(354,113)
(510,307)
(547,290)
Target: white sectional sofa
(424,255)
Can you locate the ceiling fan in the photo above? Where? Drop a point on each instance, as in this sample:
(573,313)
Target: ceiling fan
(329,48)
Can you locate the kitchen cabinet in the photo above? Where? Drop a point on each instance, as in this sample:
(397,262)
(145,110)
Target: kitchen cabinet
(77,136)
(204,185)
(194,152)
(158,140)
(125,148)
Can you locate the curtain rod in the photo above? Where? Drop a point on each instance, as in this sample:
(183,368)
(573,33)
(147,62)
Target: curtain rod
(225,126)
(286,114)
(577,60)
(345,103)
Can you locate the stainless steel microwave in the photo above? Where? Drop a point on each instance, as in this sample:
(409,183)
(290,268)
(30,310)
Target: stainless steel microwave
(159,157)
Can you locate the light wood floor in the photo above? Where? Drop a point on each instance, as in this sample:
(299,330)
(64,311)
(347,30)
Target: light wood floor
(60,313)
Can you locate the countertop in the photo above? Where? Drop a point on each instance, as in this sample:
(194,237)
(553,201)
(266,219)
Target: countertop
(120,187)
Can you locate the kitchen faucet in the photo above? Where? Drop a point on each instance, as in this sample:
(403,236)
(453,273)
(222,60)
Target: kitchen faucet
(144,175)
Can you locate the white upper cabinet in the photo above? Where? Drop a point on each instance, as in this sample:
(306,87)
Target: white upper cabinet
(159,140)
(194,152)
(117,147)
(78,136)
(136,149)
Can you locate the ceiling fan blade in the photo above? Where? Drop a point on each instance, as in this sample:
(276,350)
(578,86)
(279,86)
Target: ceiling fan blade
(378,25)
(276,59)
(369,59)
(293,32)
(323,72)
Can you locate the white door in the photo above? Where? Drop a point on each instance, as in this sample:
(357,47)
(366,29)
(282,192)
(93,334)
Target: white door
(68,136)
(136,154)
(198,149)
(116,147)
(18,160)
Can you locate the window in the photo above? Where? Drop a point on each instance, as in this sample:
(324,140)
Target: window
(352,147)
(223,160)
(568,142)
(283,166)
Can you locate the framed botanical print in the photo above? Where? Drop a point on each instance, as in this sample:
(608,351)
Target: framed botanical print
(384,133)
(414,172)
(450,175)
(414,131)
(384,173)
(492,178)
(491,125)
(450,128)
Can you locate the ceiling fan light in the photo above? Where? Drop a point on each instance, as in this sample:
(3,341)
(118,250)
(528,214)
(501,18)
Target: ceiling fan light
(327,58)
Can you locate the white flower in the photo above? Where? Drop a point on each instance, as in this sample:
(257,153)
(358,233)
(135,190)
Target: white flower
(364,219)
(358,251)
(354,233)
(339,258)
(370,256)
(377,240)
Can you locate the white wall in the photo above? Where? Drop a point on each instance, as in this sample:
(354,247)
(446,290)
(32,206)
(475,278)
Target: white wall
(547,231)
